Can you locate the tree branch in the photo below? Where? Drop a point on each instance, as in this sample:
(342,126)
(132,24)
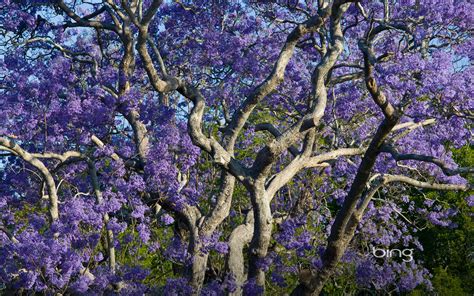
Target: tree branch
(425,158)
(35,162)
(426,185)
(275,77)
(268,154)
(276,133)
(100,199)
(84,21)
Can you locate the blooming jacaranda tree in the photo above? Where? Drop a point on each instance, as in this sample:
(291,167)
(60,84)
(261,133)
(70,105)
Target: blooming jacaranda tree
(239,142)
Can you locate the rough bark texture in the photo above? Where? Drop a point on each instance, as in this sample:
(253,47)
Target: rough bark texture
(207,228)
(346,221)
(240,237)
(197,270)
(262,233)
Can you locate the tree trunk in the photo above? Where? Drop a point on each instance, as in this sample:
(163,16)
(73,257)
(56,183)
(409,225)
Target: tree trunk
(197,272)
(347,219)
(240,237)
(261,235)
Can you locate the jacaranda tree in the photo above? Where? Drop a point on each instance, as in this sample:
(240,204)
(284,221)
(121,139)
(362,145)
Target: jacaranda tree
(229,147)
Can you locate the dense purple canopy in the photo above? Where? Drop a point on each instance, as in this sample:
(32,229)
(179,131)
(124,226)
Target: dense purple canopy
(203,147)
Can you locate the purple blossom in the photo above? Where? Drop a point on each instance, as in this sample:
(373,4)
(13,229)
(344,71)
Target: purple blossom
(143,232)
(251,288)
(167,219)
(175,287)
(470,200)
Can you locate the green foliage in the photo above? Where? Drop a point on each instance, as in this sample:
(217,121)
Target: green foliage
(447,284)
(448,253)
(160,268)
(344,284)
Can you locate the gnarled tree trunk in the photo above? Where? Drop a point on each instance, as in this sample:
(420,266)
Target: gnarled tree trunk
(262,233)
(241,236)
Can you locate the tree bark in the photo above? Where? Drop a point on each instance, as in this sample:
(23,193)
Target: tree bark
(46,174)
(262,232)
(197,272)
(241,236)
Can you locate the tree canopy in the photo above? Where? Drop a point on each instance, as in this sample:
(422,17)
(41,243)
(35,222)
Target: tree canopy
(194,147)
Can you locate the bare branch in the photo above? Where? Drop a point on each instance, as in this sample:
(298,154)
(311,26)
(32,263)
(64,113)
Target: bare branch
(425,185)
(61,157)
(158,57)
(413,125)
(35,162)
(101,144)
(379,97)
(276,133)
(66,52)
(85,21)
(150,13)
(425,158)
(316,160)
